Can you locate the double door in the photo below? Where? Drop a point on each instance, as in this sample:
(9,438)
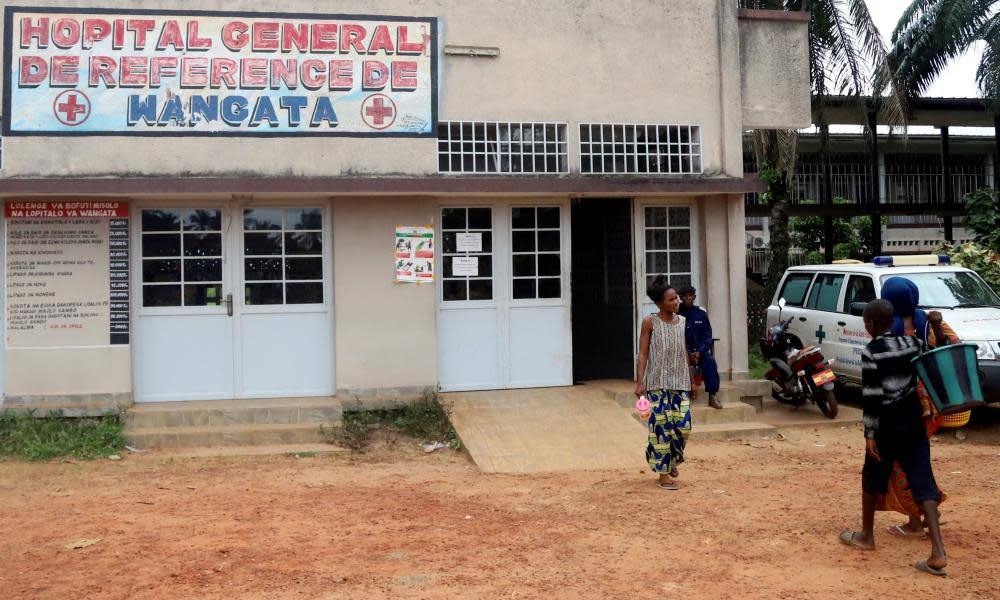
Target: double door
(503,296)
(233,301)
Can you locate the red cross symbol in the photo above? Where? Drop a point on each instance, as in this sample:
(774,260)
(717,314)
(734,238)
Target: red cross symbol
(376,109)
(68,107)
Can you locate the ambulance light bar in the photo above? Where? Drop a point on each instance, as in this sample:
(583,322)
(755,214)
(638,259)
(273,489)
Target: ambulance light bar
(918,260)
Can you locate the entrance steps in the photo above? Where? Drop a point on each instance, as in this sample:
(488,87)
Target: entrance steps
(250,422)
(737,418)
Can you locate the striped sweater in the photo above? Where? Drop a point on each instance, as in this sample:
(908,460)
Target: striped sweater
(889,380)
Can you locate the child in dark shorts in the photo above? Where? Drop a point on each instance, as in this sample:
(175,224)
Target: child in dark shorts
(894,432)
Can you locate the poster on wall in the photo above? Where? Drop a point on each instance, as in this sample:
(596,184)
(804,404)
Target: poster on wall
(166,72)
(67,274)
(414,254)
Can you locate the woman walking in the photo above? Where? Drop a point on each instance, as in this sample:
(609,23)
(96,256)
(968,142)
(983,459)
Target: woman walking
(932,331)
(663,375)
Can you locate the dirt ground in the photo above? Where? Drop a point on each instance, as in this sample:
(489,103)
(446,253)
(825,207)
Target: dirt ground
(758,519)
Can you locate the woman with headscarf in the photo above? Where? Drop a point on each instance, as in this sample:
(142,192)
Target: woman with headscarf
(933,331)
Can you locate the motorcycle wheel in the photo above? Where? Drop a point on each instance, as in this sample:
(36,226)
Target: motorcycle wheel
(827,402)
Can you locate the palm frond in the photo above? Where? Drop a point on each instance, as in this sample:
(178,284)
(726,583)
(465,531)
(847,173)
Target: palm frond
(933,33)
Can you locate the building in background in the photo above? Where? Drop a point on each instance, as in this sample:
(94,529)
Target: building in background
(447,195)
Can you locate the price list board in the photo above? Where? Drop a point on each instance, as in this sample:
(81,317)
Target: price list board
(67,276)
(118,255)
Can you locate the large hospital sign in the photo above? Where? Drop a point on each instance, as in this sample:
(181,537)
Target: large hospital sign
(119,72)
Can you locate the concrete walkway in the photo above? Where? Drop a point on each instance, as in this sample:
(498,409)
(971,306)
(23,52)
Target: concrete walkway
(594,426)
(554,429)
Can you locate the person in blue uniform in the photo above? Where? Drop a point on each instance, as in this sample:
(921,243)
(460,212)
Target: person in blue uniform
(699,332)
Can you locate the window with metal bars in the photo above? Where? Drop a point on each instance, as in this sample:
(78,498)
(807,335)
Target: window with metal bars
(502,147)
(632,148)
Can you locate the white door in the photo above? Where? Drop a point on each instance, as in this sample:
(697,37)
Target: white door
(665,244)
(233,301)
(503,301)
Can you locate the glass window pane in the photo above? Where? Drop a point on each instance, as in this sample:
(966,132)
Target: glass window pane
(524,289)
(263,293)
(160,244)
(203,295)
(157,271)
(794,290)
(161,295)
(455,289)
(201,219)
(524,241)
(304,218)
(680,280)
(523,217)
(548,217)
(825,292)
(657,262)
(161,220)
(303,268)
(480,289)
(449,242)
(548,241)
(304,293)
(680,217)
(656,216)
(860,288)
(680,262)
(656,239)
(524,265)
(303,243)
(261,218)
(549,287)
(261,243)
(203,269)
(262,269)
(480,218)
(202,244)
(453,218)
(487,241)
(680,239)
(548,264)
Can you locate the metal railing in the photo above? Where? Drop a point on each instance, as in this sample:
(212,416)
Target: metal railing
(759,259)
(898,188)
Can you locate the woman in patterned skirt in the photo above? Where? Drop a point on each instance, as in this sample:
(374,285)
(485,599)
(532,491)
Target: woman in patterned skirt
(663,375)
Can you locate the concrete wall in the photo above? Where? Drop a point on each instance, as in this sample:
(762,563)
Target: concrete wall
(625,61)
(385,332)
(69,376)
(774,64)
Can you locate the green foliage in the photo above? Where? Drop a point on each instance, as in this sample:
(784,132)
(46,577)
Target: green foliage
(425,420)
(852,238)
(982,218)
(984,261)
(758,364)
(22,435)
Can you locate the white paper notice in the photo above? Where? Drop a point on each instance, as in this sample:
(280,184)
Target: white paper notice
(469,242)
(462,266)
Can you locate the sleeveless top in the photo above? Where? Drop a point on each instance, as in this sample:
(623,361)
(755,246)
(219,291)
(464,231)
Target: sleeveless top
(667,367)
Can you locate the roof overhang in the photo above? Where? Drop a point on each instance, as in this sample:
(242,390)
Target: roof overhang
(418,186)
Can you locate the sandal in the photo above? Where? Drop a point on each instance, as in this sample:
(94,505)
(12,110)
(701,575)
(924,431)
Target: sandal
(847,537)
(922,565)
(900,531)
(670,485)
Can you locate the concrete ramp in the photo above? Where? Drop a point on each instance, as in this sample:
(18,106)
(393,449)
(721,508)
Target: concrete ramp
(548,429)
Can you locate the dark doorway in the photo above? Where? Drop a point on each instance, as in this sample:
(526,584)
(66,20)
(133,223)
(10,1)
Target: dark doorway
(602,297)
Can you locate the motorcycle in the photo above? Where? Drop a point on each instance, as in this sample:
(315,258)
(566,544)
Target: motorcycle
(798,375)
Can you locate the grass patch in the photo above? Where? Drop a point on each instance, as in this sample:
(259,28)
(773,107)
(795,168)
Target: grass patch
(425,420)
(758,364)
(25,436)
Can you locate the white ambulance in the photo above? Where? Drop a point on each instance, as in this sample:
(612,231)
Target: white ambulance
(825,303)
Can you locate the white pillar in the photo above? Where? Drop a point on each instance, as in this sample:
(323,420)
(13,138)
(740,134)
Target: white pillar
(715,267)
(739,364)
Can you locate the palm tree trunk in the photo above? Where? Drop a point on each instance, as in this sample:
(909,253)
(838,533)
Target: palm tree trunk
(780,240)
